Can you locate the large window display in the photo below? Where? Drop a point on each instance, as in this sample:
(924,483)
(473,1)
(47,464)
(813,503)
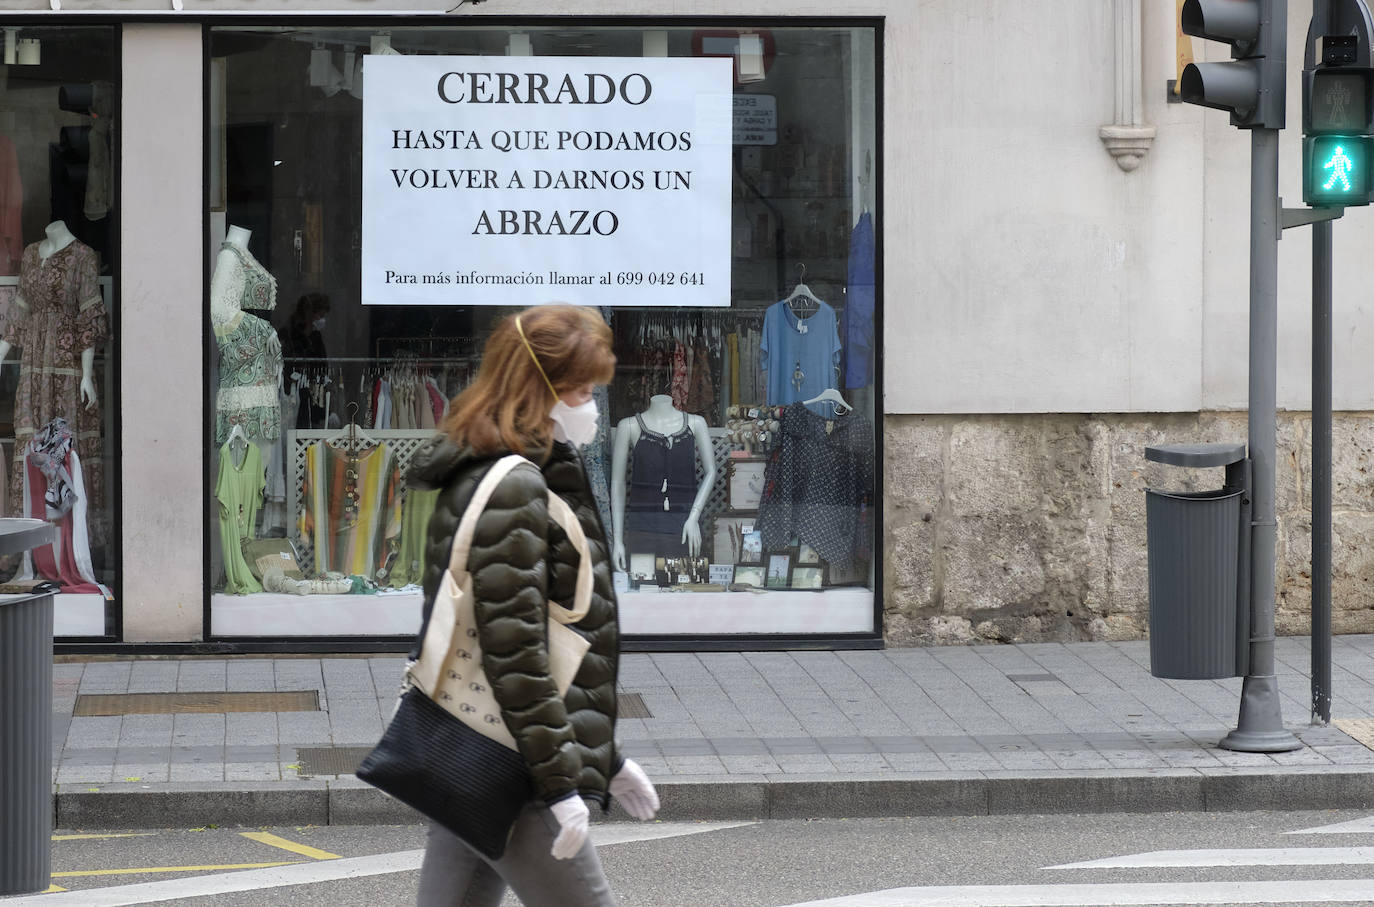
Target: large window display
(380,198)
(58,121)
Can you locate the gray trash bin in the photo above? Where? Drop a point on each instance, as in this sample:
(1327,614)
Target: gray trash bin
(25,724)
(1196,554)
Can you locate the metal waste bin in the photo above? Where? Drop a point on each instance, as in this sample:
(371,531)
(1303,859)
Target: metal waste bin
(1198,567)
(25,723)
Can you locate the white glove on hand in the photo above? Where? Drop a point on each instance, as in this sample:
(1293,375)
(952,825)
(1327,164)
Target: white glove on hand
(634,791)
(573,818)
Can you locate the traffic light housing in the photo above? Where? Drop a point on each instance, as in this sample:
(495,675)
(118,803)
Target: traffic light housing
(1338,106)
(1251,85)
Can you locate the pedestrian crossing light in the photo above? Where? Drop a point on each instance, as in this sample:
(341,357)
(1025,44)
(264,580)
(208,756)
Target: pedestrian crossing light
(1336,170)
(1338,106)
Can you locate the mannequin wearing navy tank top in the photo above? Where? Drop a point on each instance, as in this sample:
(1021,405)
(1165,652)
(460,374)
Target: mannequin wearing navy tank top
(656,499)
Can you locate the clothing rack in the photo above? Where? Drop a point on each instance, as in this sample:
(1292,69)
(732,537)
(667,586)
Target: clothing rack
(410,344)
(387,360)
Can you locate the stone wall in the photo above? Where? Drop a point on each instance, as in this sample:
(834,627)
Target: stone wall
(1030,528)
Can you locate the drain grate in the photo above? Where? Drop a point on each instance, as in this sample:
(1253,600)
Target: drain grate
(1032,678)
(631,705)
(330,760)
(96,704)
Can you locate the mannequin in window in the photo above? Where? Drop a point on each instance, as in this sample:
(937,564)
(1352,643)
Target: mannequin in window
(250,358)
(58,319)
(656,502)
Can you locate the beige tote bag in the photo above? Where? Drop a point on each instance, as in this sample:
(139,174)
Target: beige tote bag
(449,669)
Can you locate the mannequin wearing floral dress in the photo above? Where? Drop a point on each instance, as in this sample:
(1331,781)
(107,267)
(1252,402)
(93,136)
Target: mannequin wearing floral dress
(58,319)
(250,359)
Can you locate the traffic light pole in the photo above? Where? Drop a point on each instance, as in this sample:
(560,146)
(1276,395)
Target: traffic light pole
(1321,472)
(1260,727)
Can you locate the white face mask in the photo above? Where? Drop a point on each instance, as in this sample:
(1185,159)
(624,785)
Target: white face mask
(574,424)
(318,324)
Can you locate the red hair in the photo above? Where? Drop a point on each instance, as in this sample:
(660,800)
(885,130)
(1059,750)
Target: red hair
(507,406)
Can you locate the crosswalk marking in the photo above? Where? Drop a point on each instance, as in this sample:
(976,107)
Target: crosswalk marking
(305,850)
(1353,827)
(280,875)
(1303,891)
(1259,856)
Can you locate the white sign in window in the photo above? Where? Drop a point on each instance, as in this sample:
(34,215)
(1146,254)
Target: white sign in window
(756,119)
(521,180)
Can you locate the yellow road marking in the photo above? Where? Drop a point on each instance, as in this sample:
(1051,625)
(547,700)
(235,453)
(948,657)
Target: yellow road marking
(53,889)
(136,834)
(136,870)
(304,850)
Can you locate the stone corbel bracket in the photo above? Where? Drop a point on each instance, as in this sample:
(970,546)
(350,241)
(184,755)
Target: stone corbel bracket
(1129,138)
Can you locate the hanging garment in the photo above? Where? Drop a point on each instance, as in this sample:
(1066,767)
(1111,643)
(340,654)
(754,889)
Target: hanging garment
(701,389)
(384,405)
(437,400)
(818,486)
(679,380)
(858,307)
(249,374)
(99,172)
(352,508)
(663,487)
(58,313)
(799,355)
(274,507)
(47,452)
(372,402)
(238,490)
(68,560)
(594,459)
(409,566)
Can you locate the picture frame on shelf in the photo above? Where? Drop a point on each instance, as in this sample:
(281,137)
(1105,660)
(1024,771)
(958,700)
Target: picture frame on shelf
(808,577)
(749,575)
(744,486)
(807,555)
(724,574)
(751,547)
(642,568)
(779,570)
(726,537)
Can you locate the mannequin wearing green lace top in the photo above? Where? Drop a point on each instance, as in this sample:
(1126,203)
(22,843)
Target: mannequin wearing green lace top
(250,358)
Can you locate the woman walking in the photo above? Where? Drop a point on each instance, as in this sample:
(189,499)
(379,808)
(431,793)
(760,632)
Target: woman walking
(533,397)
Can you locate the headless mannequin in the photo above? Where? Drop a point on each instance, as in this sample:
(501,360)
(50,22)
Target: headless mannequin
(58,237)
(223,308)
(661,417)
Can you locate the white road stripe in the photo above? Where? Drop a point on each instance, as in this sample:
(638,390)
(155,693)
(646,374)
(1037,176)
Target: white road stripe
(1353,827)
(322,871)
(1262,856)
(1303,891)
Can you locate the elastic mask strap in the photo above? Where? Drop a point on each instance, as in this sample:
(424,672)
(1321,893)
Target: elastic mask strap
(525,340)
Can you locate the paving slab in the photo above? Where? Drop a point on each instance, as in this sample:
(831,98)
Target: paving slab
(1046,727)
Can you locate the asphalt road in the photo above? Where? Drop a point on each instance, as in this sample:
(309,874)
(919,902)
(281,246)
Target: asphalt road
(1243,857)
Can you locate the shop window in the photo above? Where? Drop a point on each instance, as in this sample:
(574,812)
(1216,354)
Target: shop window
(58,394)
(735,464)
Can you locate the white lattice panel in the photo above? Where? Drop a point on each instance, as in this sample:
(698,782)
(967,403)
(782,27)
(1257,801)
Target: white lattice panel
(403,443)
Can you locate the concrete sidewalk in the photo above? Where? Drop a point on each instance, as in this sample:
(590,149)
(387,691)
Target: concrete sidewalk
(1079,727)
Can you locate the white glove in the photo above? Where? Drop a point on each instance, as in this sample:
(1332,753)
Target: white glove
(634,791)
(573,817)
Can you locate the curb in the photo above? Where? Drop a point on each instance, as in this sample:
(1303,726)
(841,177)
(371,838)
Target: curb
(348,801)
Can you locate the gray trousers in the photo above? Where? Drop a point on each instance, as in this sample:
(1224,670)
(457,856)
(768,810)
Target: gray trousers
(455,875)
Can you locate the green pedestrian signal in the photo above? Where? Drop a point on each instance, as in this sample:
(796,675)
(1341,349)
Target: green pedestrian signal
(1336,170)
(1339,164)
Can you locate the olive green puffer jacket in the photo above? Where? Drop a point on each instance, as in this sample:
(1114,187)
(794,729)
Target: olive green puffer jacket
(519,560)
